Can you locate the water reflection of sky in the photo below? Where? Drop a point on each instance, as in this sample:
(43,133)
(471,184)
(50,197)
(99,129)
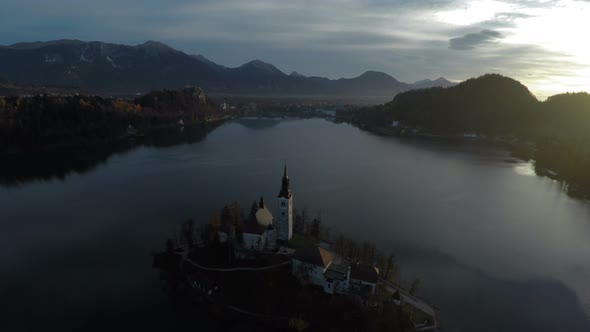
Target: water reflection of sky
(496,248)
(525,169)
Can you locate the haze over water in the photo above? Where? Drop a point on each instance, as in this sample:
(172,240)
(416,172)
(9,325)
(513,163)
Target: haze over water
(496,247)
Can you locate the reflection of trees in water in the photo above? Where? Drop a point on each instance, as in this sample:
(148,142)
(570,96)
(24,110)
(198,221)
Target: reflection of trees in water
(60,163)
(176,136)
(259,123)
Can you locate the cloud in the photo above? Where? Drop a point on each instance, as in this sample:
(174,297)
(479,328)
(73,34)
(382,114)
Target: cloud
(471,40)
(408,39)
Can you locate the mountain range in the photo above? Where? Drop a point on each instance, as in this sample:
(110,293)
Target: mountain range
(113,68)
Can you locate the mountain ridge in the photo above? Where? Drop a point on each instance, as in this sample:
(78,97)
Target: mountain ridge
(114,68)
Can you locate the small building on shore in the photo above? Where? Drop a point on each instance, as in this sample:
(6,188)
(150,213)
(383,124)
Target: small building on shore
(337,279)
(310,263)
(364,278)
(318,266)
(255,237)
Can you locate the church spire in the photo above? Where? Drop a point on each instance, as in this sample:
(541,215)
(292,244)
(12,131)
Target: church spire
(261,204)
(285,188)
(284,221)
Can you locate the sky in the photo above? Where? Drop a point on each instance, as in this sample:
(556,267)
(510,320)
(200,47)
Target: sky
(542,43)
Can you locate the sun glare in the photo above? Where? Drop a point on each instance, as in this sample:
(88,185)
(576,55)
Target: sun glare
(563,30)
(475,12)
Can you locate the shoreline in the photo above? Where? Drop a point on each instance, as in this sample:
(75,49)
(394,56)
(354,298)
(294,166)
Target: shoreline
(524,151)
(46,148)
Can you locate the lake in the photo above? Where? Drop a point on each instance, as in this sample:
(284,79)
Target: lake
(496,247)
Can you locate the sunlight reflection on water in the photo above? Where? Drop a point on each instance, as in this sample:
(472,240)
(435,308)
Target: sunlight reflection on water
(525,169)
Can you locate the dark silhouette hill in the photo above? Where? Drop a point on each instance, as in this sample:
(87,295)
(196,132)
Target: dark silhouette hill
(490,103)
(553,133)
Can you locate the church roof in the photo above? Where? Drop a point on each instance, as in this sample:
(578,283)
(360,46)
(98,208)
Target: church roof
(253,228)
(285,189)
(314,255)
(336,272)
(364,272)
(263,216)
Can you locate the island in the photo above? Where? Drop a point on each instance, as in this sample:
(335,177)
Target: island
(283,272)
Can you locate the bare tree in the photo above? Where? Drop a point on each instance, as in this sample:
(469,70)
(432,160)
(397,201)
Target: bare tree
(315,228)
(365,251)
(414,286)
(390,267)
(380,263)
(187,232)
(325,233)
(339,244)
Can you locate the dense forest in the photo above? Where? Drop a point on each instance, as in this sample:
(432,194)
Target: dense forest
(42,121)
(554,133)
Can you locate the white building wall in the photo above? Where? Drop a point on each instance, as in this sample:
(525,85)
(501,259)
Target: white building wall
(341,287)
(254,241)
(336,286)
(312,273)
(222,237)
(271,240)
(357,284)
(284,225)
(329,287)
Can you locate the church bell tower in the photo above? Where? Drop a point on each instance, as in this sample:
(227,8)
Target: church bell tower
(284,225)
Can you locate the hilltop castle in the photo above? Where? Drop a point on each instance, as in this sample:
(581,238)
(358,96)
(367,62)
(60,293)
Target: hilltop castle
(262,230)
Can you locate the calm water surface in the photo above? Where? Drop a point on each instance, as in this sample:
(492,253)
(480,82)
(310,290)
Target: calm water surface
(496,247)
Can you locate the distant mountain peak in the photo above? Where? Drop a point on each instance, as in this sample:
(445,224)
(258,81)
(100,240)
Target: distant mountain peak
(429,83)
(443,80)
(155,44)
(258,63)
(372,73)
(296,75)
(377,75)
(263,66)
(40,44)
(424,81)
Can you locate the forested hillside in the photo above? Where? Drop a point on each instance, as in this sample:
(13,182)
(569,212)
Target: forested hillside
(554,133)
(44,121)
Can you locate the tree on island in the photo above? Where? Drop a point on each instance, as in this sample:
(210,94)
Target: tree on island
(187,232)
(390,267)
(315,228)
(252,215)
(414,286)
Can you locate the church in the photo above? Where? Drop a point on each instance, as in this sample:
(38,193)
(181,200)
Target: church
(262,231)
